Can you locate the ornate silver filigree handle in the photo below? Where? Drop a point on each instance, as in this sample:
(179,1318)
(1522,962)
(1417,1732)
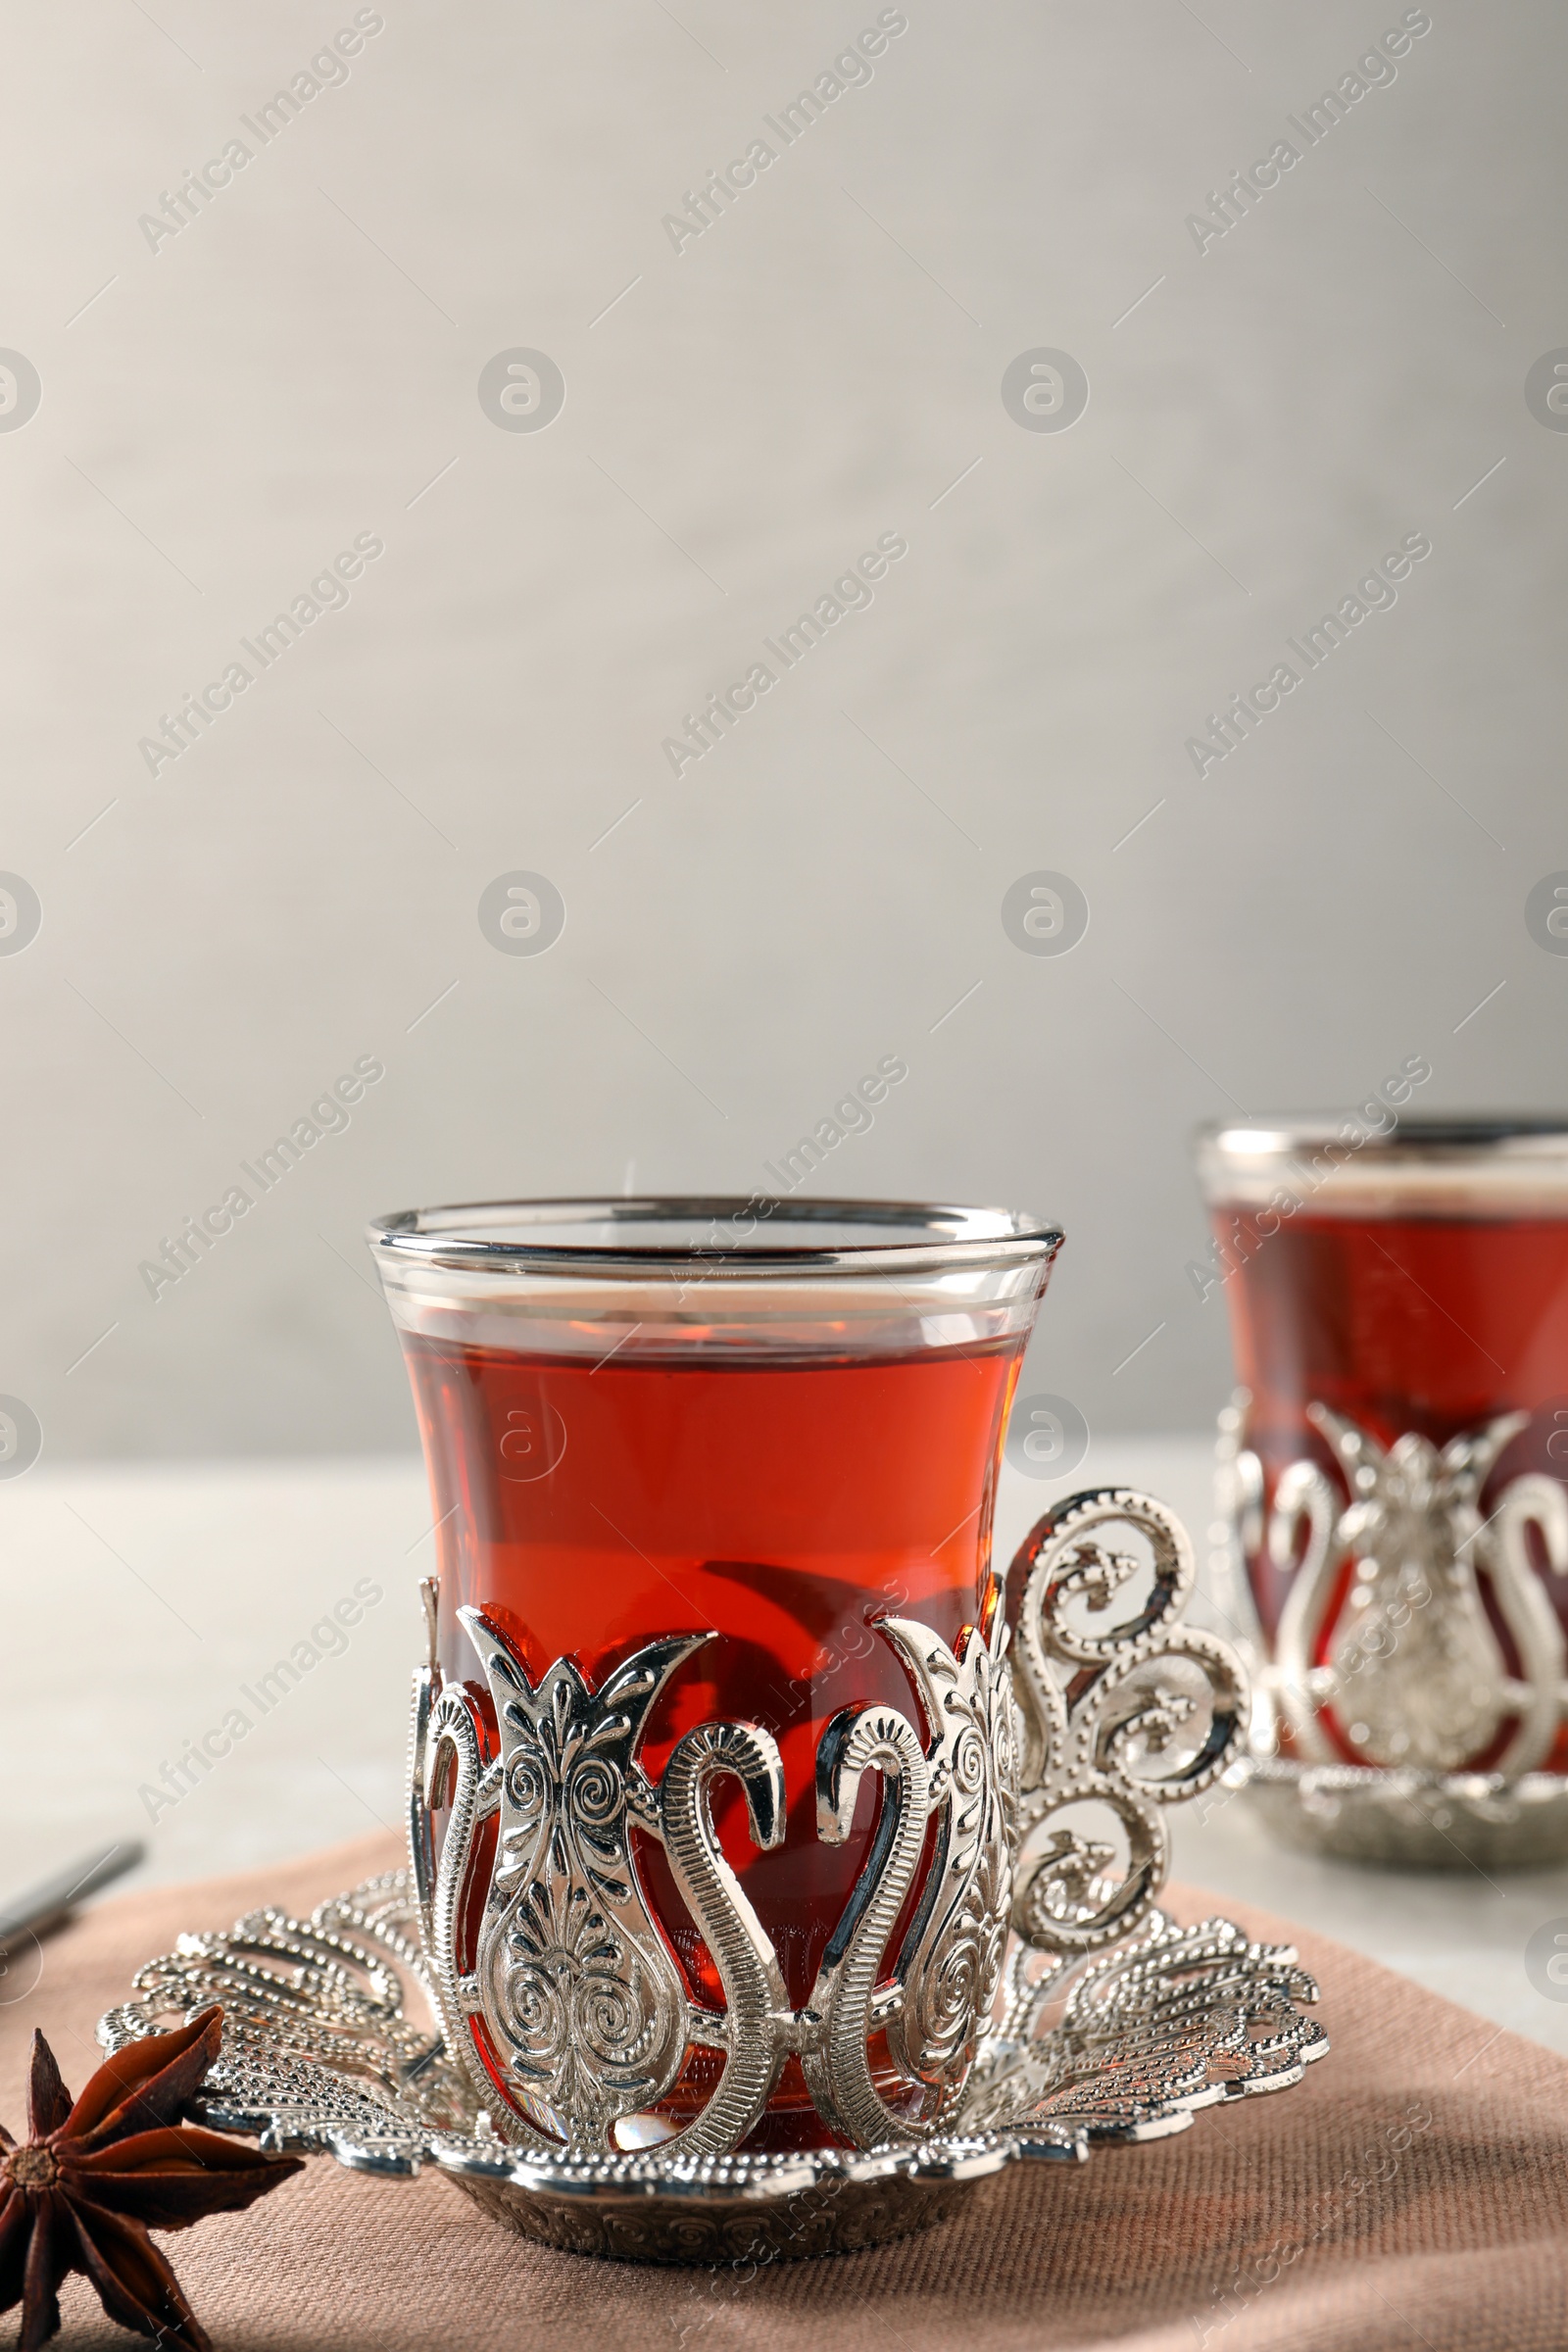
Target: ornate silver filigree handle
(1095,1706)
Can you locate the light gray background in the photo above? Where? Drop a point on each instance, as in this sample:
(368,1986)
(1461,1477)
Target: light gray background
(300,364)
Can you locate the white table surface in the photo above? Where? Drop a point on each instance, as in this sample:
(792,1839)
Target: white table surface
(135,1604)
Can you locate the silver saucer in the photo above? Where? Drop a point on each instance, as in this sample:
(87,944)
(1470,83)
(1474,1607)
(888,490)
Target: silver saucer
(320,2055)
(1410,1820)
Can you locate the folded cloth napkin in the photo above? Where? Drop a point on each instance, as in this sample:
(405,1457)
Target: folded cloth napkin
(1412,2192)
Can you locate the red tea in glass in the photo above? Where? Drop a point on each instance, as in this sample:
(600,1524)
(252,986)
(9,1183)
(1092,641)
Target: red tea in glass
(1399,1307)
(644,1420)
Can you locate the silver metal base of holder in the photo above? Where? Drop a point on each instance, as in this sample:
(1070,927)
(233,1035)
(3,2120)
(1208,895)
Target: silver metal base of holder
(1411,1819)
(320,2054)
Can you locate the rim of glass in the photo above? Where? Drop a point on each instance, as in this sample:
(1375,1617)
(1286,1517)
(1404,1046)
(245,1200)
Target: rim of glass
(941,1237)
(1524,1138)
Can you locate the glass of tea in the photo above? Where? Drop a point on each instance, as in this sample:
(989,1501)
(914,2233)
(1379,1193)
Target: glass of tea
(1397,1457)
(712,1484)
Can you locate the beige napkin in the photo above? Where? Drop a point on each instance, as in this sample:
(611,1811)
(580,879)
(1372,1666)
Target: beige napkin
(1412,2192)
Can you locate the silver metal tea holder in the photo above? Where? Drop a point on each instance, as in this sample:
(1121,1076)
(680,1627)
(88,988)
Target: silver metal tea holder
(1036,2005)
(1407,1656)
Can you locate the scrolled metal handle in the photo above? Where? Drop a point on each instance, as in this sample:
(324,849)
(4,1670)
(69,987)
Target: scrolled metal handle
(1093,1707)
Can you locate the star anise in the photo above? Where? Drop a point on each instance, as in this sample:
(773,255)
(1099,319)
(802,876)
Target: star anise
(97,2174)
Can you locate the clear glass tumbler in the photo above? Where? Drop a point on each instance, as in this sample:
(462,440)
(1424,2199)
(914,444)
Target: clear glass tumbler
(743,1429)
(1399,1302)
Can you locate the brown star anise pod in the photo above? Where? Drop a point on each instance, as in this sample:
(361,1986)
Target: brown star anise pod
(97,2175)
